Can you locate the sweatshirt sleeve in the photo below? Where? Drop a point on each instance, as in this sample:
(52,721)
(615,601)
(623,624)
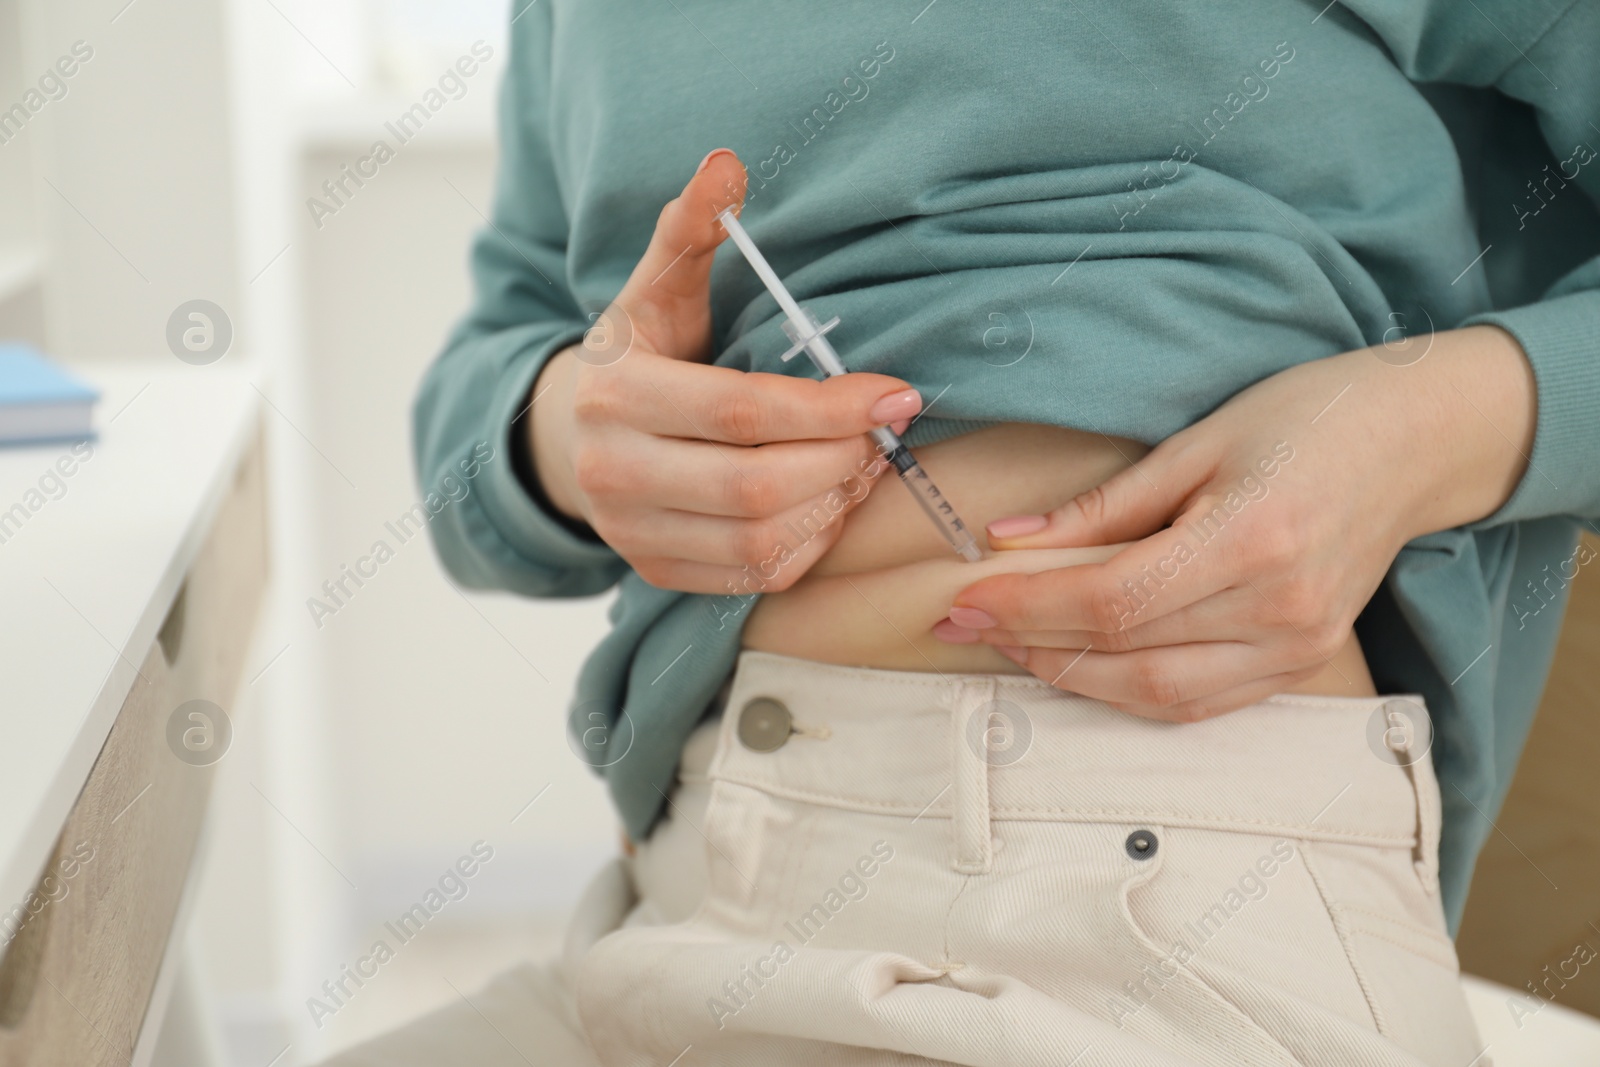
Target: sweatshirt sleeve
(1558,75)
(470,400)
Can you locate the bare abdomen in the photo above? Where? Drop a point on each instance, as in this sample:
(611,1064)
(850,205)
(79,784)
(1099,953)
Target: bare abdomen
(876,595)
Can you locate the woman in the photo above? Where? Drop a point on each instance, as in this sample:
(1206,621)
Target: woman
(1261,340)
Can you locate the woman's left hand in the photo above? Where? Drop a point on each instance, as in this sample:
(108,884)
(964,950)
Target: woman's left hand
(1262,530)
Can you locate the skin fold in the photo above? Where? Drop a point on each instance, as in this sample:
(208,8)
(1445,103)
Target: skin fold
(875,598)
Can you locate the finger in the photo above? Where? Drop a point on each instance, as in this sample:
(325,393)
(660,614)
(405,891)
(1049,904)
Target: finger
(1231,615)
(952,634)
(1229,700)
(766,546)
(1156,678)
(689,576)
(1147,580)
(667,299)
(1131,504)
(750,483)
(772,574)
(667,398)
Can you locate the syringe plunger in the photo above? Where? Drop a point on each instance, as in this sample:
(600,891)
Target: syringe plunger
(809,336)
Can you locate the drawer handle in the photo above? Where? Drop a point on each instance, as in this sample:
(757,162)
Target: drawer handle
(170,636)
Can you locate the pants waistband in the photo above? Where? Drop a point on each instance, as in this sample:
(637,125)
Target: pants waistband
(942,746)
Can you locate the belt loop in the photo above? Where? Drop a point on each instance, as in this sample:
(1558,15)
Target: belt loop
(969,764)
(1410,736)
(1426,857)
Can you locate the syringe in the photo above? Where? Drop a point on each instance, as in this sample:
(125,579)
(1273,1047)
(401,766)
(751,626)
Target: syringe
(808,336)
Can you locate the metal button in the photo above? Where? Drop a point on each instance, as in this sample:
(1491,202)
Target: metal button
(1142,844)
(765,725)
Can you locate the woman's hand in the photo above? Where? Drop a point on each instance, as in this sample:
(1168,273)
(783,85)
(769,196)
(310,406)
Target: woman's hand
(1263,529)
(701,476)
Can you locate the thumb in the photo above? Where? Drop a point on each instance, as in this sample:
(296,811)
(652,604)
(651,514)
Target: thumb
(1129,506)
(666,302)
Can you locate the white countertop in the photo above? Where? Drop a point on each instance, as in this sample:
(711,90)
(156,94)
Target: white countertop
(87,579)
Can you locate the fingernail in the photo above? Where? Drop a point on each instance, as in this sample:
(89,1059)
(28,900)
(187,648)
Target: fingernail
(972,618)
(900,427)
(1016,655)
(951,634)
(1017,526)
(896,406)
(713,152)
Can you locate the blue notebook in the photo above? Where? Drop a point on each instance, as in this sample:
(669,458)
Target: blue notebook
(39,401)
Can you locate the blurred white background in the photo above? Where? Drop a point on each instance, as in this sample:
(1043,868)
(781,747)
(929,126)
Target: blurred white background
(371,751)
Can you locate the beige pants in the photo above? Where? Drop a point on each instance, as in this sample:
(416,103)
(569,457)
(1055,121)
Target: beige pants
(875,867)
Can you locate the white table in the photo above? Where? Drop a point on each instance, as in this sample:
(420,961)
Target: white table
(160,529)
(1552,1036)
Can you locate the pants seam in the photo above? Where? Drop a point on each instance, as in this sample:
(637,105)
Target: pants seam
(1076,814)
(1346,941)
(948,964)
(969,768)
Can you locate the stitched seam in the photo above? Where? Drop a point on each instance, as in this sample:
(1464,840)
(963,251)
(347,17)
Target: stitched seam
(1424,943)
(960,891)
(1424,860)
(1143,938)
(1227,825)
(1077,814)
(1310,700)
(1389,920)
(973,769)
(1345,942)
(1410,948)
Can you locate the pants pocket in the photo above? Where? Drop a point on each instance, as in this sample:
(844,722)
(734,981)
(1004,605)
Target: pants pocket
(1245,916)
(1186,910)
(1394,935)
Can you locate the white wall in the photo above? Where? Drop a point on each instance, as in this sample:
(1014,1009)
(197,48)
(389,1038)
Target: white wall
(452,709)
(372,751)
(414,721)
(133,191)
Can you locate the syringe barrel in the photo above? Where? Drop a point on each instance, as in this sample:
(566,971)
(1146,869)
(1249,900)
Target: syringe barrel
(893,449)
(802,327)
(938,509)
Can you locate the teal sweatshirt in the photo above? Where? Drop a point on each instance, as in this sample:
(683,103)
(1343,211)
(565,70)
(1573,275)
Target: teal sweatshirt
(1105,216)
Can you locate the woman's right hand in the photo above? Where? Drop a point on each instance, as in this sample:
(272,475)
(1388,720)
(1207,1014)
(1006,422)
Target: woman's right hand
(705,479)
